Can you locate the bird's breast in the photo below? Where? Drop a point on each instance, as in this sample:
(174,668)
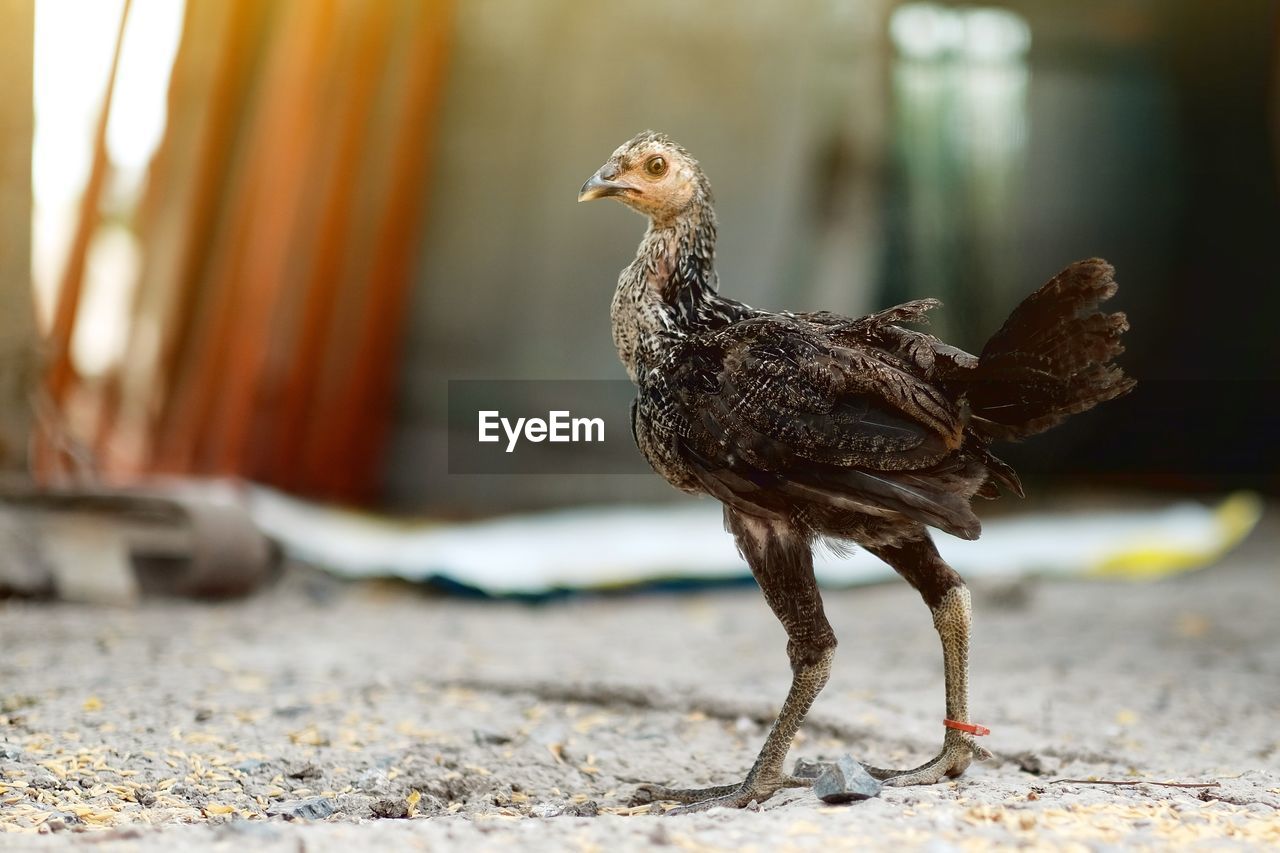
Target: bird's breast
(657,429)
(643,326)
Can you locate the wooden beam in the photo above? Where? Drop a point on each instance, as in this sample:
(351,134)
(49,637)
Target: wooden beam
(357,427)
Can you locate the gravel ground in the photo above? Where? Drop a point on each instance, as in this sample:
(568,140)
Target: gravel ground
(325,716)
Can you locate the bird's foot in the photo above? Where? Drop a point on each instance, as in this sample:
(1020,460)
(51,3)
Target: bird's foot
(959,749)
(718,796)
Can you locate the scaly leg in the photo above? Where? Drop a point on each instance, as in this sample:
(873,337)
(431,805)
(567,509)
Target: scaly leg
(948,598)
(782,562)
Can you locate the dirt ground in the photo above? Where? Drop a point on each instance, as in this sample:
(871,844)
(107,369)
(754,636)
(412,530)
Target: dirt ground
(325,716)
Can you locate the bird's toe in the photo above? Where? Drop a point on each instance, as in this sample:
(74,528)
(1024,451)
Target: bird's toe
(958,752)
(737,796)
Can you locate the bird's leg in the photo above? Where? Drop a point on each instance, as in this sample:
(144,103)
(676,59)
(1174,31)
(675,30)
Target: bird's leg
(782,562)
(948,598)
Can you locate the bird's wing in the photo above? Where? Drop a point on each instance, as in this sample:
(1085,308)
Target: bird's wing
(930,357)
(773,404)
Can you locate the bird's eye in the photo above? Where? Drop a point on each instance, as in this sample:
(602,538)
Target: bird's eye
(656,166)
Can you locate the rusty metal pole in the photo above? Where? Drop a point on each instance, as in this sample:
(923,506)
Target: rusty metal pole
(18,334)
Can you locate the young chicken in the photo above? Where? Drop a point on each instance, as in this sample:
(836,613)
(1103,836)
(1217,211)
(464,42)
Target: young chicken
(815,426)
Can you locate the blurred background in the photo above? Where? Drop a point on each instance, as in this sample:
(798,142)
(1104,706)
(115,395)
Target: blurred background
(256,239)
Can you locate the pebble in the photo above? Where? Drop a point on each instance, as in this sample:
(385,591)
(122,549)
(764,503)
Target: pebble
(587,808)
(490,738)
(845,781)
(315,808)
(547,809)
(305,771)
(806,769)
(45,780)
(1029,762)
(389,809)
(61,820)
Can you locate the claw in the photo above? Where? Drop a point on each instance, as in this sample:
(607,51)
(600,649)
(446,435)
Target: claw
(646,794)
(958,752)
(740,799)
(718,796)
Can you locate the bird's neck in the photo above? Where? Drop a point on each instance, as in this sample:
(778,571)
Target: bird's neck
(679,255)
(669,289)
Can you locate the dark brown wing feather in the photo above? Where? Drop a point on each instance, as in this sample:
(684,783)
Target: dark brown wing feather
(773,411)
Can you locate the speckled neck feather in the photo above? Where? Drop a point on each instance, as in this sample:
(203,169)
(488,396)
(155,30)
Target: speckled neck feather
(670,289)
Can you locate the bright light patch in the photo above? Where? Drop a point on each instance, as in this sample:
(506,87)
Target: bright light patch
(101,337)
(140,111)
(995,35)
(74,42)
(928,31)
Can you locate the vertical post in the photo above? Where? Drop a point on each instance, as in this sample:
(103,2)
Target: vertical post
(18,337)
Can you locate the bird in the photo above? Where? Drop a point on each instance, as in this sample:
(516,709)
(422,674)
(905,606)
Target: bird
(817,429)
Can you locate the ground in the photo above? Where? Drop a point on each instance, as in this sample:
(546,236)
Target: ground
(325,716)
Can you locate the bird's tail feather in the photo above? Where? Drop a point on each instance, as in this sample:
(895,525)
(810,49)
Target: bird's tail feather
(1052,358)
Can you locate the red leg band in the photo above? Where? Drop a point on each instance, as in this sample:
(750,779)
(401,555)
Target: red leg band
(971,728)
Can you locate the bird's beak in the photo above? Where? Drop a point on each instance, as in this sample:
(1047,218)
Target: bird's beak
(603,185)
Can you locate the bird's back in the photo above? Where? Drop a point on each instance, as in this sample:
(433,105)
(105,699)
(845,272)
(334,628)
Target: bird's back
(813,417)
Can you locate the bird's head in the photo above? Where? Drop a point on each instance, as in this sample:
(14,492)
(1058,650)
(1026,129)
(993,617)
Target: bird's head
(652,175)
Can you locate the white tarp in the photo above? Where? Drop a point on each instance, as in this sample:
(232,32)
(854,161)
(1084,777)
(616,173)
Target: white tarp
(620,546)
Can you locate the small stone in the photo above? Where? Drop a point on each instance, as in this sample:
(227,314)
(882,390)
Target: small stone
(45,780)
(9,753)
(61,820)
(306,771)
(806,769)
(845,781)
(389,809)
(1029,762)
(486,738)
(547,809)
(315,808)
(203,715)
(147,799)
(587,808)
